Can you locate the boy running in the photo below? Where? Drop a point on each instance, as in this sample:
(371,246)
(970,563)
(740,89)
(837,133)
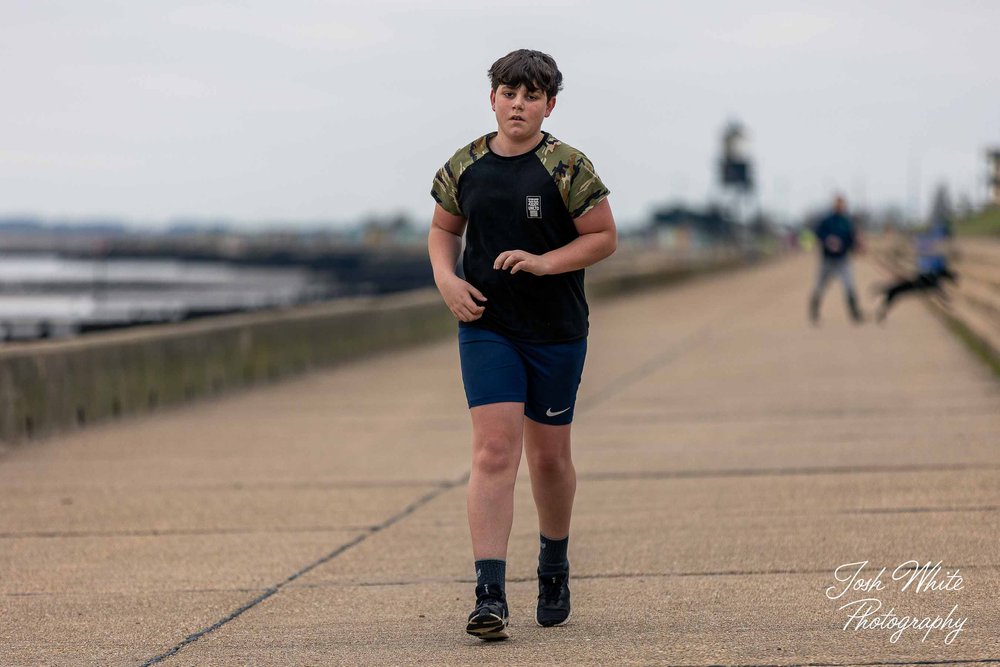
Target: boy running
(534,214)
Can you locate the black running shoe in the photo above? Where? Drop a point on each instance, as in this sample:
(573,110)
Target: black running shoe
(489,619)
(553,600)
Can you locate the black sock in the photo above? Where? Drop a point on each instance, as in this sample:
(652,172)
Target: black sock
(552,556)
(491,572)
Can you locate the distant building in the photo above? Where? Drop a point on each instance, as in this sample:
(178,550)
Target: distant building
(680,227)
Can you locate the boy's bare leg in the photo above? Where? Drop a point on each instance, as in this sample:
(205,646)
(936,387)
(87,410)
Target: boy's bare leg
(553,477)
(497,434)
(553,484)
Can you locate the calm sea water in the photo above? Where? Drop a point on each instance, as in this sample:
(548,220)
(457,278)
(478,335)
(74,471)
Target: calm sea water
(50,296)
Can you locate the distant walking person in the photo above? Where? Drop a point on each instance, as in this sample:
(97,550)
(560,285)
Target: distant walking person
(534,214)
(837,240)
(932,267)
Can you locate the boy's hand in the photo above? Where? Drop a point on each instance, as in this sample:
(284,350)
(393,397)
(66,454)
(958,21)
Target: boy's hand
(458,296)
(519,260)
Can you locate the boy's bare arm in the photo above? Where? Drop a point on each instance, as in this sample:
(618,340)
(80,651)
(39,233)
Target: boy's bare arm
(598,239)
(444,244)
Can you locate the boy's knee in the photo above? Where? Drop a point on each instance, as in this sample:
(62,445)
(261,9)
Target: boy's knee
(552,461)
(496,453)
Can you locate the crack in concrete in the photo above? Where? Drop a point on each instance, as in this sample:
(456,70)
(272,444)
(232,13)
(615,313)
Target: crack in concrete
(406,511)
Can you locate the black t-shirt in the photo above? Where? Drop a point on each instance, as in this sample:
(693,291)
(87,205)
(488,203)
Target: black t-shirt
(523,202)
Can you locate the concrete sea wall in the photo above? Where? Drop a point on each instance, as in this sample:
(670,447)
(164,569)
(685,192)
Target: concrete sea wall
(48,387)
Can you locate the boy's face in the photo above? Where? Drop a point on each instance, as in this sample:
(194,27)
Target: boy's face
(520,111)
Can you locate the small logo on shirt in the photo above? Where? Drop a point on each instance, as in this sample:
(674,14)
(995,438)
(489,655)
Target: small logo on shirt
(534,206)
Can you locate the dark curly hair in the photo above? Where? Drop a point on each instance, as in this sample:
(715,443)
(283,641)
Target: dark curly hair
(534,69)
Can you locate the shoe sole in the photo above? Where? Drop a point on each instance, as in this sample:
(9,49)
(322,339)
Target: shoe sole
(553,625)
(488,628)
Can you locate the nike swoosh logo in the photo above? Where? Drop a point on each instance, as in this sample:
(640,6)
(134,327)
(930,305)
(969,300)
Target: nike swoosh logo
(549,413)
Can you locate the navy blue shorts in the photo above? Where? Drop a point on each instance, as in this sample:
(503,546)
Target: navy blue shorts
(543,376)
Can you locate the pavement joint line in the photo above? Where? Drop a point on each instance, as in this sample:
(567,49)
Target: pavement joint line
(971,661)
(69,594)
(599,477)
(742,573)
(172,532)
(255,486)
(728,417)
(273,590)
(345,484)
(617,575)
(915,510)
(447,580)
(740,513)
(778,472)
(200,591)
(213,590)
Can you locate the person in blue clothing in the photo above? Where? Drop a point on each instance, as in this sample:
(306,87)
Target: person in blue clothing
(837,239)
(932,268)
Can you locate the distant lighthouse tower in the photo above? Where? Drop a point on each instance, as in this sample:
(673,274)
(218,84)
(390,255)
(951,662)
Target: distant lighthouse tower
(736,174)
(993,178)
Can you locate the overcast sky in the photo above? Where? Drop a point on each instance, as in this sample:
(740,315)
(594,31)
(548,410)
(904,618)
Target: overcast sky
(306,110)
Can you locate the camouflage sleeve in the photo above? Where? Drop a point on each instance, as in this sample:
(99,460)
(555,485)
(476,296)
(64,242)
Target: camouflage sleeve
(586,189)
(445,189)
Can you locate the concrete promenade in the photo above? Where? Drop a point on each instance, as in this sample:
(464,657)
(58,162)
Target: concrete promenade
(730,458)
